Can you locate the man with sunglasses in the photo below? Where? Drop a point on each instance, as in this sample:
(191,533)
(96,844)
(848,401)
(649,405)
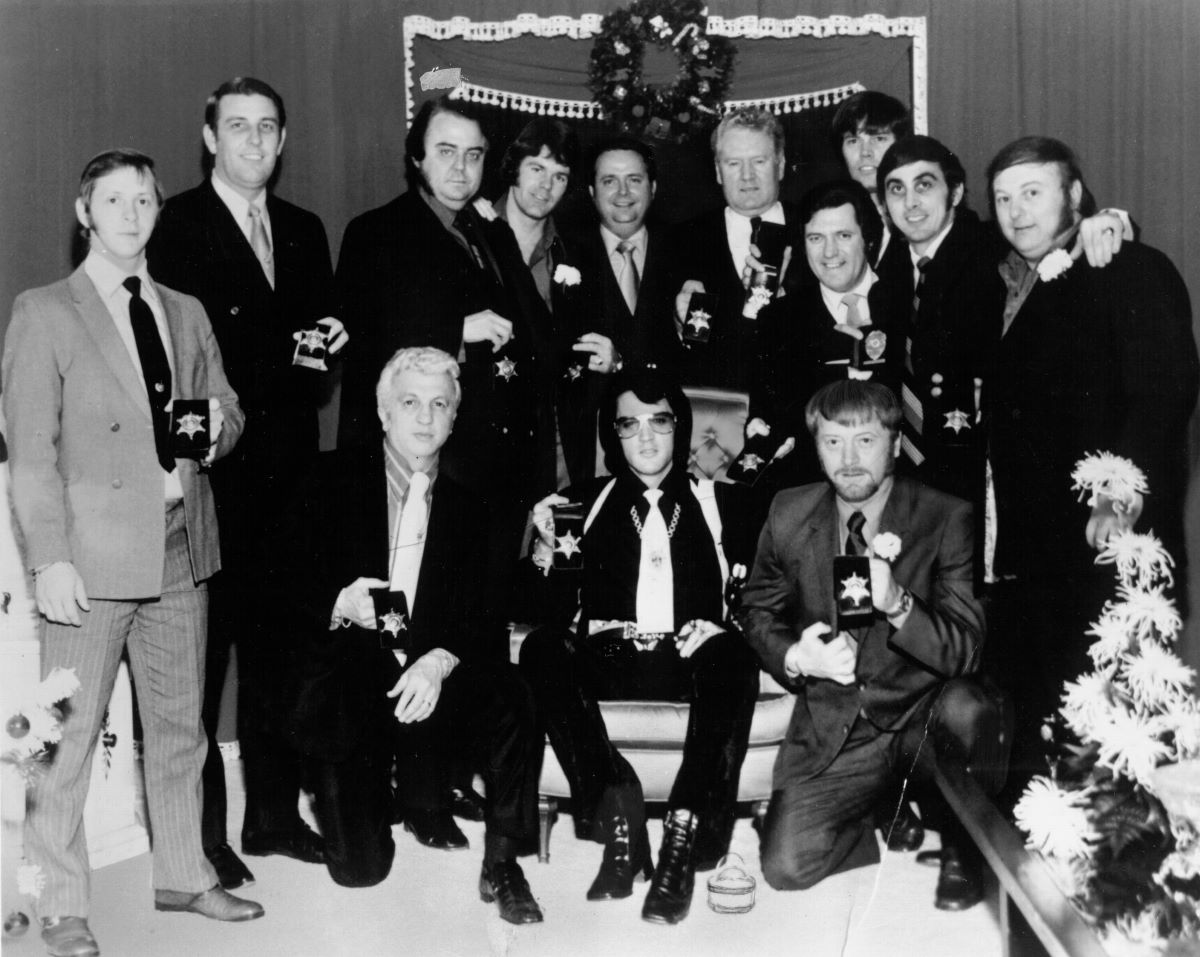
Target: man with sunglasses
(658,548)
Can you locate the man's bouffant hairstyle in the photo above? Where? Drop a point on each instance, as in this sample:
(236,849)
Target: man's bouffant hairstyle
(612,144)
(649,384)
(414,142)
(242,86)
(875,112)
(852,402)
(1042,150)
(110,161)
(838,193)
(917,149)
(750,118)
(554,135)
(426,359)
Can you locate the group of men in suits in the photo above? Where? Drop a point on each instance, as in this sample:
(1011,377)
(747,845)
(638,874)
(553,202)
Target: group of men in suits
(367,593)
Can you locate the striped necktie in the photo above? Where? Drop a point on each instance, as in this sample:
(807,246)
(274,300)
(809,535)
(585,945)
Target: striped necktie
(914,411)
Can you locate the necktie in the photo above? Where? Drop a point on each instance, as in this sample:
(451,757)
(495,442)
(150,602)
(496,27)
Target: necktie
(409,543)
(656,584)
(755,222)
(463,223)
(854,318)
(261,244)
(856,544)
(155,369)
(914,411)
(628,280)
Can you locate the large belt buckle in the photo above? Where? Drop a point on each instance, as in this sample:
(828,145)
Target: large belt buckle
(643,640)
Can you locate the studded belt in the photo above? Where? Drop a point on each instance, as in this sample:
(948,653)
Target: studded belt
(642,640)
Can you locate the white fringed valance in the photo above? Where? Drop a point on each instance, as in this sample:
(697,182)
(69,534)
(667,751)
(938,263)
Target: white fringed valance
(795,102)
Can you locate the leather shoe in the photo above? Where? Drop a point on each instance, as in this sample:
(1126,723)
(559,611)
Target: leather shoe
(467,804)
(69,937)
(624,859)
(231,872)
(670,895)
(435,829)
(902,829)
(960,880)
(299,843)
(504,882)
(215,903)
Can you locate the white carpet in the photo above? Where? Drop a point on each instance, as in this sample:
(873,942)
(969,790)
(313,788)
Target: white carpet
(429,907)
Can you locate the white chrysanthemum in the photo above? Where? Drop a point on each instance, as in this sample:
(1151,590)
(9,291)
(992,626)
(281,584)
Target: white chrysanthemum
(886,545)
(1133,936)
(1155,676)
(1112,638)
(1055,819)
(43,725)
(1145,611)
(1184,723)
(1085,701)
(1130,745)
(30,880)
(1140,559)
(1107,474)
(1071,875)
(57,686)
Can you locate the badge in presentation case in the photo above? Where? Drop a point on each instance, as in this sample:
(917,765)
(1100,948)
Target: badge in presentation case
(190,430)
(391,619)
(852,592)
(568,536)
(697,323)
(311,350)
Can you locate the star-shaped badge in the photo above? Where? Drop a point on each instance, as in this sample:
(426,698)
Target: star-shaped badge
(190,424)
(393,623)
(567,544)
(313,339)
(751,462)
(506,369)
(698,319)
(854,588)
(574,372)
(957,420)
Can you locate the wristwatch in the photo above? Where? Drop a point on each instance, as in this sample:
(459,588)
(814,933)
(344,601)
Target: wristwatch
(905,605)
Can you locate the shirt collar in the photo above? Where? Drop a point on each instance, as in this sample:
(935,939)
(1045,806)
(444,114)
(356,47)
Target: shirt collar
(612,240)
(934,245)
(236,203)
(549,232)
(444,214)
(399,473)
(107,277)
(872,512)
(773,214)
(833,300)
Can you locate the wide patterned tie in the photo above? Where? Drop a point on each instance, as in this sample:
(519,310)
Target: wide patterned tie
(628,280)
(914,411)
(410,539)
(656,583)
(261,244)
(856,544)
(156,370)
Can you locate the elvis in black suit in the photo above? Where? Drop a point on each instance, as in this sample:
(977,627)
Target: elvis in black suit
(714,248)
(635,311)
(639,637)
(438,691)
(867,696)
(810,337)
(1089,360)
(259,299)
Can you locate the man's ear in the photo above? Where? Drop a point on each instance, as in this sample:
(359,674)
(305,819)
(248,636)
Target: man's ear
(896,443)
(653,188)
(717,168)
(282,138)
(383,416)
(956,197)
(210,138)
(81,213)
(1076,195)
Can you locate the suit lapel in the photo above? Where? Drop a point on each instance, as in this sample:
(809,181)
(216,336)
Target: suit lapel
(99,324)
(232,242)
(820,546)
(175,328)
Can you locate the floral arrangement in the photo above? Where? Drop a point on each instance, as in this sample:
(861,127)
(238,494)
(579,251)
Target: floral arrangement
(1054,264)
(36,724)
(687,106)
(1102,817)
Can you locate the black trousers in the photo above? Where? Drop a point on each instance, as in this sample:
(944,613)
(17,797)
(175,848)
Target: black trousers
(485,717)
(824,824)
(569,676)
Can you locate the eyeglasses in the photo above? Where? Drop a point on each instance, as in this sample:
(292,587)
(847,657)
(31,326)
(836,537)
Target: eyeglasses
(661,422)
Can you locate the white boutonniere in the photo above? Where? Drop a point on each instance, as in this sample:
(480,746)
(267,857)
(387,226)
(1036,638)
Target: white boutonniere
(886,545)
(757,426)
(567,275)
(1054,265)
(485,209)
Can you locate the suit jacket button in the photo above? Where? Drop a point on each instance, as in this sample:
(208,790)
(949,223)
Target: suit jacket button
(116,483)
(116,426)
(1016,413)
(845,729)
(233,310)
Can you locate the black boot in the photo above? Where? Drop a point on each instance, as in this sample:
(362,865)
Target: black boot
(902,830)
(670,895)
(960,881)
(625,857)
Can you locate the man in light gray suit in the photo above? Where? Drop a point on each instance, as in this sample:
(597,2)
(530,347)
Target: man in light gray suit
(120,535)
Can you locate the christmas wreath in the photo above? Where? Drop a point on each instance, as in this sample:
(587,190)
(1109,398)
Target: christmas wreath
(691,103)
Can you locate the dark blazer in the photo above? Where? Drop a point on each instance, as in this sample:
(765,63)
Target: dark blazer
(791,587)
(339,532)
(799,352)
(954,335)
(649,336)
(404,280)
(729,359)
(1095,360)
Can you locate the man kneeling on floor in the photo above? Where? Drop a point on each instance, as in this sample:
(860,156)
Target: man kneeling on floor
(385,588)
(878,699)
(656,544)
